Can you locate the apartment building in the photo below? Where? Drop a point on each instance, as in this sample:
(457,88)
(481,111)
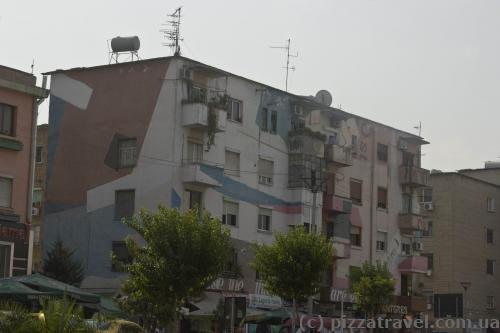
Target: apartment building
(180,133)
(462,244)
(39,194)
(19,100)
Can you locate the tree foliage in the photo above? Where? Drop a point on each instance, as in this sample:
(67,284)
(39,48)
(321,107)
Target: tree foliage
(183,254)
(61,266)
(292,266)
(373,286)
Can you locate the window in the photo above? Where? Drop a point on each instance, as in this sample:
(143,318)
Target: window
(355,236)
(490,302)
(231,267)
(428,232)
(354,143)
(230,213)
(266,169)
(127,152)
(356,186)
(235,110)
(406,246)
(274,121)
(39,156)
(264,223)
(124,203)
(194,152)
(194,199)
(263,120)
(382,152)
(232,164)
(381,241)
(382,198)
(36,234)
(37,197)
(5,192)
(6,119)
(408,159)
(426,195)
(197,94)
(121,256)
(406,203)
(490,267)
(430,260)
(489,236)
(490,204)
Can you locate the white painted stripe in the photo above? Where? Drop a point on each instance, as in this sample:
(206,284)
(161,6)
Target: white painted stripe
(70,90)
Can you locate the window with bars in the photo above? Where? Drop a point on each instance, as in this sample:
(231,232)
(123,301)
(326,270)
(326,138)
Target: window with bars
(7,116)
(230,212)
(355,236)
(265,217)
(266,169)
(232,164)
(127,152)
(5,192)
(381,241)
(382,198)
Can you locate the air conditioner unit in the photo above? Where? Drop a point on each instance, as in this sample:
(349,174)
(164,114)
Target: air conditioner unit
(428,206)
(429,272)
(35,211)
(186,73)
(417,246)
(403,145)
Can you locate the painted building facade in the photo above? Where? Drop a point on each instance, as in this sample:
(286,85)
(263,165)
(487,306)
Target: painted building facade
(19,99)
(176,132)
(462,245)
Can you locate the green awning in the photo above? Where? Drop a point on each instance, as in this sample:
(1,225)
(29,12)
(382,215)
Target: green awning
(45,284)
(11,289)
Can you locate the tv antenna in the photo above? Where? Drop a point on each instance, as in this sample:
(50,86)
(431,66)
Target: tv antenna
(419,128)
(288,55)
(173,33)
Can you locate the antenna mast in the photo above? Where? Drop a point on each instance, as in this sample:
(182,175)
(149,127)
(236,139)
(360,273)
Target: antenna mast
(288,55)
(172,33)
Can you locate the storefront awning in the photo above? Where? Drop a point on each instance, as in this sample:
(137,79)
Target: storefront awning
(10,289)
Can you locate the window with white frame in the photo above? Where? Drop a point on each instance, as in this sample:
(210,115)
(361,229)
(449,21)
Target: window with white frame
(232,164)
(235,110)
(490,204)
(266,169)
(194,152)
(230,212)
(381,241)
(127,152)
(5,192)
(265,217)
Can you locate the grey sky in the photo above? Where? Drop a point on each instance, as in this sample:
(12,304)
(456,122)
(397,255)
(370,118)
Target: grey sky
(397,62)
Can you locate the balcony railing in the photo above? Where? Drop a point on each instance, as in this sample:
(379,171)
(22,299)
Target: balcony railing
(337,156)
(409,223)
(413,303)
(413,176)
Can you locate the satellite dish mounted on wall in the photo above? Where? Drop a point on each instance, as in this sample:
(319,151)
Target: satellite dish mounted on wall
(324,97)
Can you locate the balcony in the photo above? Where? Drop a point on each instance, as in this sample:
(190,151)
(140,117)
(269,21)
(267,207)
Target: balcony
(337,204)
(337,156)
(193,175)
(413,265)
(197,115)
(409,223)
(413,303)
(413,176)
(341,249)
(306,141)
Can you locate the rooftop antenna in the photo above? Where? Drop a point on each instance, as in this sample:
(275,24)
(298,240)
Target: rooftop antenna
(32,66)
(172,33)
(288,55)
(419,128)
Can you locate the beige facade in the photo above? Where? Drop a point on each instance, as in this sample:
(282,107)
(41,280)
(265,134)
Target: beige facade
(465,237)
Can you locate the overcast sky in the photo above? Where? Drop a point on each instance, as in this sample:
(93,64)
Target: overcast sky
(397,62)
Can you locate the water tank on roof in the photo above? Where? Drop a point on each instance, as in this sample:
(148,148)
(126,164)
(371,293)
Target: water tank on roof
(125,44)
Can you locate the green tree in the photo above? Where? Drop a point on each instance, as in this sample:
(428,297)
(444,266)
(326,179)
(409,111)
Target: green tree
(373,286)
(292,266)
(61,266)
(183,254)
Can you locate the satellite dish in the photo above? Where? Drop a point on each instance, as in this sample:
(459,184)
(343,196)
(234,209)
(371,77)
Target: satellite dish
(324,97)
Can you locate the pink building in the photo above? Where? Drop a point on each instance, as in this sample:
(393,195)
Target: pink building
(19,100)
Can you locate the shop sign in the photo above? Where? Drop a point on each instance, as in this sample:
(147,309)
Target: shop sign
(341,295)
(264,301)
(224,284)
(396,309)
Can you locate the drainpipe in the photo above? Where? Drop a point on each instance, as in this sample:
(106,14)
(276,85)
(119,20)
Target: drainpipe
(372,187)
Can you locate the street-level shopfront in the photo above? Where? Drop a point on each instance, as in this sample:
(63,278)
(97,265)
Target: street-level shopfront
(14,246)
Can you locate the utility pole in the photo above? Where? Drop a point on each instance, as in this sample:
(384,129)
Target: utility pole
(173,33)
(288,55)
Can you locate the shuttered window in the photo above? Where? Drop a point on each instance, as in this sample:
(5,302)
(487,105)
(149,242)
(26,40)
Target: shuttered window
(230,213)
(266,171)
(232,164)
(5,192)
